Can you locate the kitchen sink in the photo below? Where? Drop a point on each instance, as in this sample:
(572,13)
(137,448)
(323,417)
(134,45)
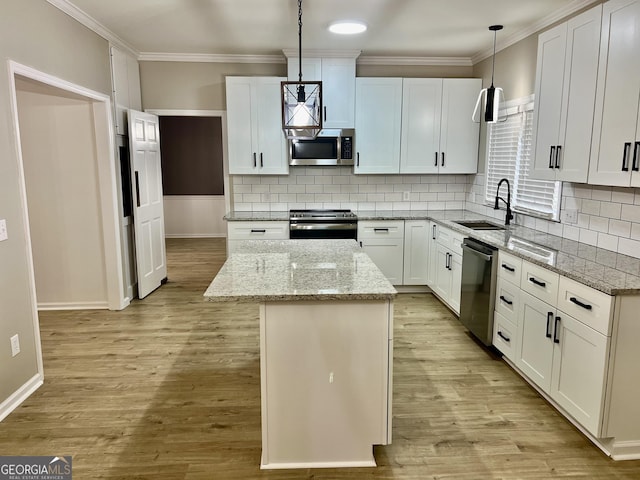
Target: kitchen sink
(479,225)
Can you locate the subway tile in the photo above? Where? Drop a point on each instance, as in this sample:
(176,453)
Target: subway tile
(278,189)
(401,205)
(305,180)
(456,187)
(568,189)
(314,189)
(601,193)
(610,210)
(250,179)
(384,206)
(571,203)
(419,206)
(384,188)
(589,237)
(635,231)
(583,220)
(630,213)
(332,188)
(287,197)
(620,228)
(572,233)
(260,188)
(446,197)
(436,187)
(339,180)
(323,180)
(375,197)
(542,225)
(454,205)
(582,192)
(556,228)
(269,180)
(251,197)
(242,188)
(428,197)
(304,197)
(419,187)
(629,247)
(429,179)
(375,179)
(358,180)
(366,188)
(242,207)
(349,188)
(599,224)
(590,207)
(622,195)
(437,206)
(296,188)
(339,197)
(358,197)
(393,197)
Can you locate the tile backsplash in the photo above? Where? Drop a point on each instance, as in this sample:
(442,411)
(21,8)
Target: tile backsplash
(338,187)
(606,217)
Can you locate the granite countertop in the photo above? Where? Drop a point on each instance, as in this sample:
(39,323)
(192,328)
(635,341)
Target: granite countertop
(286,270)
(604,270)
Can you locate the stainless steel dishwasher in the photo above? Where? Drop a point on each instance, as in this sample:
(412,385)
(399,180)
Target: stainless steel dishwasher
(477,300)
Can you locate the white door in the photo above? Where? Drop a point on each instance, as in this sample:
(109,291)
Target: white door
(433,254)
(455,268)
(421,111)
(459,135)
(144,144)
(416,252)
(386,253)
(339,92)
(442,283)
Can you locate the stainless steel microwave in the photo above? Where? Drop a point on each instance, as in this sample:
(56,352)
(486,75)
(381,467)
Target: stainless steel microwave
(330,147)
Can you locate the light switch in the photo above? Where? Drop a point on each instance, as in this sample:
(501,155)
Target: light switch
(3,230)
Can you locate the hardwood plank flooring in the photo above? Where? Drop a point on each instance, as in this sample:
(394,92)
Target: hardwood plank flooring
(169,388)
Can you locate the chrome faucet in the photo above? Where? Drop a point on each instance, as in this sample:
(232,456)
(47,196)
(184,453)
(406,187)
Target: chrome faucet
(509,216)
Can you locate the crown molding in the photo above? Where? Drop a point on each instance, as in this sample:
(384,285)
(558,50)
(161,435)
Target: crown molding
(209,58)
(293,52)
(92,24)
(421,61)
(556,16)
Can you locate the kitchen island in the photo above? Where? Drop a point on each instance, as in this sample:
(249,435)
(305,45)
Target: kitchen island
(326,348)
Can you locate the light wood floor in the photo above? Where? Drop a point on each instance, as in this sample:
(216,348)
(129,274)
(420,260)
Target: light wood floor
(169,389)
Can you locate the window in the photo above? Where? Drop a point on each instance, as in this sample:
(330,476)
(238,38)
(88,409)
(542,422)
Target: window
(509,148)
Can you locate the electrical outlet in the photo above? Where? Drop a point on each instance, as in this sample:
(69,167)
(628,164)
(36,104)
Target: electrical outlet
(570,216)
(15,345)
(3,230)
(405,196)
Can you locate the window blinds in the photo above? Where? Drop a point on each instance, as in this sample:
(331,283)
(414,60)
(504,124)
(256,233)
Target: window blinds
(510,156)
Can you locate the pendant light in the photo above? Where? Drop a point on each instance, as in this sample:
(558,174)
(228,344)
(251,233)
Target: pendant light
(301,101)
(492,95)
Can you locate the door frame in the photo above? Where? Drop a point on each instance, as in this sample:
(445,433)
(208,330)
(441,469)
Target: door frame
(107,184)
(206,113)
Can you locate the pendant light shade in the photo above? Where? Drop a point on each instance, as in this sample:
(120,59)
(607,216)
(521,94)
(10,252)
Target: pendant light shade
(492,96)
(301,101)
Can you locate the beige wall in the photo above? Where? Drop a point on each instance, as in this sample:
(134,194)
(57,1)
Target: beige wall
(34,33)
(193,85)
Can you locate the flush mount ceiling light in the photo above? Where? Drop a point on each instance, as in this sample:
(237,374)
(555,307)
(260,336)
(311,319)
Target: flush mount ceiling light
(301,101)
(492,94)
(347,27)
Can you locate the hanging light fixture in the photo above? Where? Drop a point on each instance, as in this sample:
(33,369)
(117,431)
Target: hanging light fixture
(301,101)
(492,95)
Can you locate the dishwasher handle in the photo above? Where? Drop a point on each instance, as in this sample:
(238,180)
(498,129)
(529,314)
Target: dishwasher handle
(469,249)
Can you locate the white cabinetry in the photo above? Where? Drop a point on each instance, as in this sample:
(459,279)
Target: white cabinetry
(447,267)
(438,135)
(507,305)
(257,145)
(565,94)
(416,252)
(125,77)
(433,254)
(378,122)
(255,230)
(338,76)
(383,241)
(615,150)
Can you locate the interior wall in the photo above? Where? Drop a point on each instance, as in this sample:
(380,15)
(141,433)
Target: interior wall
(194,216)
(34,33)
(59,157)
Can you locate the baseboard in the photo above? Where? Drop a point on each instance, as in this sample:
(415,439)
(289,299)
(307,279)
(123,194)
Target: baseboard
(412,288)
(625,450)
(20,395)
(73,306)
(196,235)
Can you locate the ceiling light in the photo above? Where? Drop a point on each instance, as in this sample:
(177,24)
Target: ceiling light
(347,28)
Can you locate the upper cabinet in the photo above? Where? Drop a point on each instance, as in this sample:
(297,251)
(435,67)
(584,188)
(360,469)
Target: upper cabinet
(256,143)
(438,135)
(615,152)
(338,76)
(565,92)
(378,122)
(125,79)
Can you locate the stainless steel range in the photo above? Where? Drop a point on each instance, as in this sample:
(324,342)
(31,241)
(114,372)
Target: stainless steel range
(323,224)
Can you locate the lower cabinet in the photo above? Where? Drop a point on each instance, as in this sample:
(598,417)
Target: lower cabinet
(383,241)
(416,252)
(445,266)
(266,230)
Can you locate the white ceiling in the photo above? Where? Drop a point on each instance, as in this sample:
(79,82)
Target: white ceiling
(398,28)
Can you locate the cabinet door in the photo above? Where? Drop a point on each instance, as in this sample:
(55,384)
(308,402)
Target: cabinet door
(579,95)
(459,135)
(534,354)
(433,254)
(442,284)
(338,92)
(549,82)
(455,265)
(378,117)
(387,254)
(617,94)
(311,69)
(421,113)
(579,369)
(416,252)
(271,146)
(241,125)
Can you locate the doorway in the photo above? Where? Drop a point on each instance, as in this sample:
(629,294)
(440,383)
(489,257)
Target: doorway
(68,172)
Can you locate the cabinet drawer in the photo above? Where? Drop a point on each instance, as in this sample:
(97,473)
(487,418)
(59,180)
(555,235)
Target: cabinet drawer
(450,239)
(509,267)
(589,306)
(258,230)
(504,336)
(539,282)
(507,300)
(380,229)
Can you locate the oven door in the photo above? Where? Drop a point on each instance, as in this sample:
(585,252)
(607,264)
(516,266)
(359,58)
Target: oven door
(319,230)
